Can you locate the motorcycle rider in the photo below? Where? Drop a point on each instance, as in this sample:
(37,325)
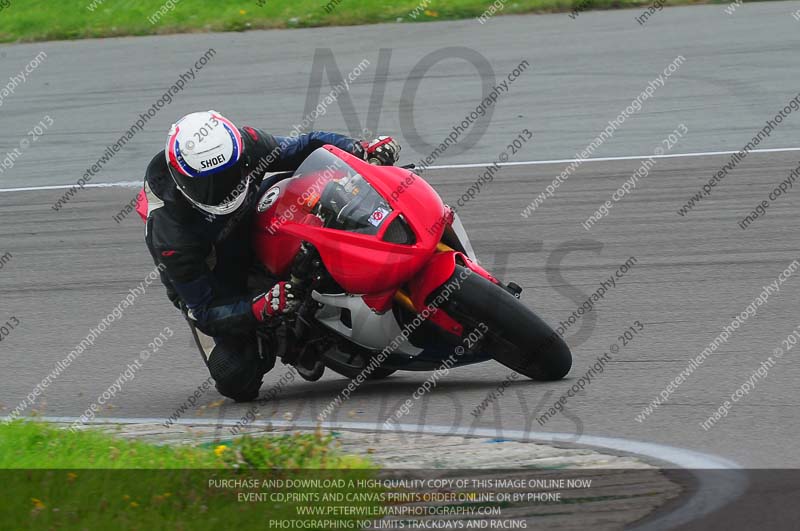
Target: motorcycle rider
(200,194)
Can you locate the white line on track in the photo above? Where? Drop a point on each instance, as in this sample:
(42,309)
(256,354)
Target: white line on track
(610,159)
(123,184)
(136,184)
(712,492)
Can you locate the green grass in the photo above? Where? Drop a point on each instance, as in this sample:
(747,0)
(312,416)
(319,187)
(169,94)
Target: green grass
(55,479)
(35,20)
(36,445)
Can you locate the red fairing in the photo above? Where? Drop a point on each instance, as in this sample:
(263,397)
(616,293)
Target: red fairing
(438,271)
(477,268)
(361,263)
(352,246)
(141,205)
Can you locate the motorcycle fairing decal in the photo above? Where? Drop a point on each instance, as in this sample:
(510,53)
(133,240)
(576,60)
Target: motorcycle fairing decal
(378,217)
(269,198)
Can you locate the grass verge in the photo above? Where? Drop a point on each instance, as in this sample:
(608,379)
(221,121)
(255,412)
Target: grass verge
(37,20)
(56,479)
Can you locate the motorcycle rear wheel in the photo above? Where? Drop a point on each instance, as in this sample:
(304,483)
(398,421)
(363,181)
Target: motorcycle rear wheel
(517,337)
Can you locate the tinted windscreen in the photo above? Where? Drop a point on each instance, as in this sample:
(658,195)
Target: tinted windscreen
(347,201)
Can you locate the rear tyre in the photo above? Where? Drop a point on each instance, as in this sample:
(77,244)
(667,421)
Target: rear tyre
(517,337)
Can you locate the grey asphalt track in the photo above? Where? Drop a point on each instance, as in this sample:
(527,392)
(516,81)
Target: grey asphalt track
(694,274)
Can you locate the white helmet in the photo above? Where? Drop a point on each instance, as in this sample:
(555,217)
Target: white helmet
(205,157)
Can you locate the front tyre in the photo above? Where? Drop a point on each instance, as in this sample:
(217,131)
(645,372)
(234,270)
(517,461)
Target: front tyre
(517,337)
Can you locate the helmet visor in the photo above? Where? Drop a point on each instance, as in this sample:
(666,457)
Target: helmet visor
(214,190)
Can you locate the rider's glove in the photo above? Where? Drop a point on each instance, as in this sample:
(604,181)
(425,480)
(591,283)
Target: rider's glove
(383,151)
(279,300)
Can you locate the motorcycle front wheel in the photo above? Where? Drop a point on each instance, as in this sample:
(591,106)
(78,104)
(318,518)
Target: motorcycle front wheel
(516,336)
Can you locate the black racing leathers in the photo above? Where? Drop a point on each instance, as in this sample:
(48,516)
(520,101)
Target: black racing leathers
(206,258)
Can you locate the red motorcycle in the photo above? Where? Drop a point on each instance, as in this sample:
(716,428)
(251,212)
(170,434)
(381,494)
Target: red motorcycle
(387,278)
